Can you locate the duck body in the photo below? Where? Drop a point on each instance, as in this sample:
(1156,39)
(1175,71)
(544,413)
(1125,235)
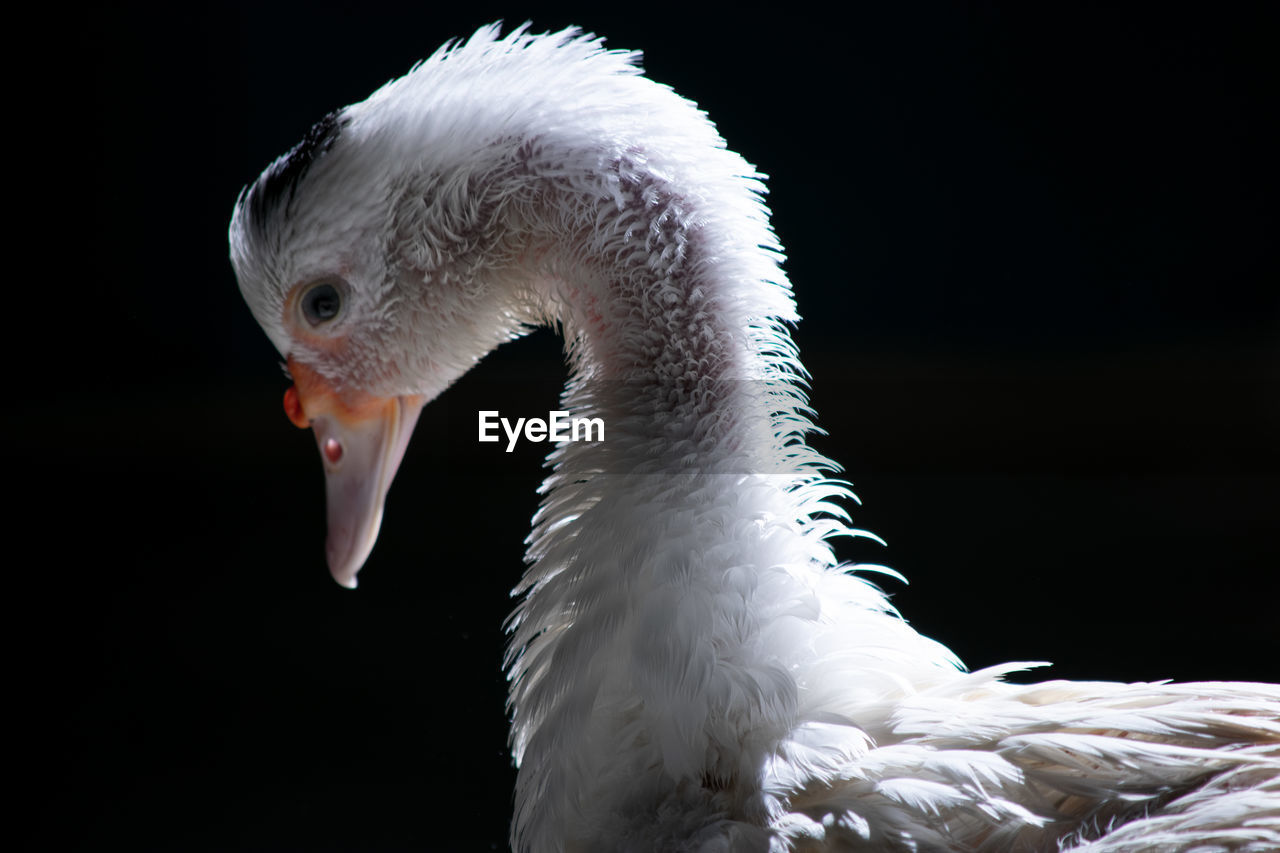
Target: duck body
(690,667)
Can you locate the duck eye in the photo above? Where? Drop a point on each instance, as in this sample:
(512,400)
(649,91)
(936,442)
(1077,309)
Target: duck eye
(321,304)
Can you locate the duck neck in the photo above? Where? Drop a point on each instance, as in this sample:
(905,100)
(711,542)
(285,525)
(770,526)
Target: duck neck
(638,648)
(673,324)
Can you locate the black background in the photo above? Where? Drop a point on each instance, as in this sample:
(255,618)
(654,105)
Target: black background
(1035,253)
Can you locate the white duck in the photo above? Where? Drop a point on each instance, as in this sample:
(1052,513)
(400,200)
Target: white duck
(690,669)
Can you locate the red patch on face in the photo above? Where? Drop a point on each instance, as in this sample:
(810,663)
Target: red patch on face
(293,408)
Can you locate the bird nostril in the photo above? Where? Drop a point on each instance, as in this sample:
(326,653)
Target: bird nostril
(332,450)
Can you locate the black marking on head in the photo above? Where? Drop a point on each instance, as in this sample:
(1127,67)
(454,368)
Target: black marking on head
(276,186)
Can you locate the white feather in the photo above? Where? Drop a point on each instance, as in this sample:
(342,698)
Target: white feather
(690,669)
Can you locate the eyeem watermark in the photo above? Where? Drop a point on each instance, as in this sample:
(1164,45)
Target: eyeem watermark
(558,427)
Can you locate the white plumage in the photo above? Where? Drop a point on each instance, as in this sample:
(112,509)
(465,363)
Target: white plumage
(690,668)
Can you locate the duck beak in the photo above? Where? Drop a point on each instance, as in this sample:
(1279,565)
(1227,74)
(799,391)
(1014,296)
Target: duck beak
(362,439)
